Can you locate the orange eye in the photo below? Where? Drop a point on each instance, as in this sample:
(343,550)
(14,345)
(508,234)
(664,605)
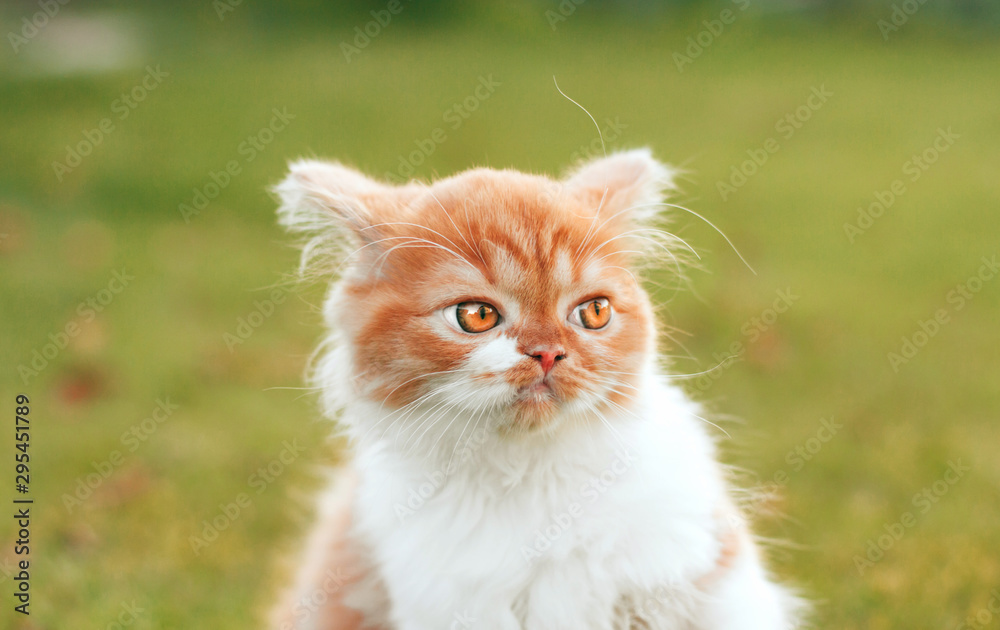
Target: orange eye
(593,314)
(476,317)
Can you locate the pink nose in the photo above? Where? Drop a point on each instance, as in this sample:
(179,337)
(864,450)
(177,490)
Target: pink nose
(547,357)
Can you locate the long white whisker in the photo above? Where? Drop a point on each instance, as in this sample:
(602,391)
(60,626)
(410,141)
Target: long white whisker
(471,435)
(671,237)
(712,225)
(416,225)
(479,409)
(444,410)
(411,406)
(387,396)
(437,410)
(429,244)
(421,419)
(677,263)
(599,132)
(366,246)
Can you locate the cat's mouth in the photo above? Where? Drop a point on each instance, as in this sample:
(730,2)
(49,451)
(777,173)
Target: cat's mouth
(536,404)
(539,392)
(538,389)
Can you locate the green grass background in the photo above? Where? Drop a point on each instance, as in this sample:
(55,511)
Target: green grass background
(826,357)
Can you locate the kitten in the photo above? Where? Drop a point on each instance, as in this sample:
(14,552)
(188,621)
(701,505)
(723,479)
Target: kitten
(519,461)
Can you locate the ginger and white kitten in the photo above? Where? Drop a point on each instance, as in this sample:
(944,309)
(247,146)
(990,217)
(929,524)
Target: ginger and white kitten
(519,460)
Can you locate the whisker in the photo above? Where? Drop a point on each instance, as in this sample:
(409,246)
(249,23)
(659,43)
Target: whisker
(599,132)
(482,410)
(666,250)
(479,409)
(419,422)
(662,233)
(411,406)
(709,422)
(440,408)
(408,224)
(712,225)
(448,215)
(444,410)
(456,370)
(591,228)
(718,365)
(429,245)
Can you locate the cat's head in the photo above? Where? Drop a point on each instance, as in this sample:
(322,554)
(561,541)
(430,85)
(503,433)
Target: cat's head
(490,294)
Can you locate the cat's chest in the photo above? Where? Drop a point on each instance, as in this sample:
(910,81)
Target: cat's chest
(613,510)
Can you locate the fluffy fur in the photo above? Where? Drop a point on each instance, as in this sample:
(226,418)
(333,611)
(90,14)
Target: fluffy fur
(489,489)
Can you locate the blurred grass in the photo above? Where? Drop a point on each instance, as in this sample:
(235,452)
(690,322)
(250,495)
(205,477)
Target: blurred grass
(825,357)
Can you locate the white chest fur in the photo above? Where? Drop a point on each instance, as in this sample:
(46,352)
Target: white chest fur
(552,532)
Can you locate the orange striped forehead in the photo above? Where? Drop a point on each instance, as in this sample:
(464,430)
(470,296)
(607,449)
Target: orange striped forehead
(508,226)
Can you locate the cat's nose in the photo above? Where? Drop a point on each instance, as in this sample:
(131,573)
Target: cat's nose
(547,356)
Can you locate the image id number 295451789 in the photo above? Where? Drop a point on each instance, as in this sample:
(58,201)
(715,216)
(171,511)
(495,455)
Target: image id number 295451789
(22,504)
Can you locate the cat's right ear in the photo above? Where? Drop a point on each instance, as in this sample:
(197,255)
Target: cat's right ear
(337,211)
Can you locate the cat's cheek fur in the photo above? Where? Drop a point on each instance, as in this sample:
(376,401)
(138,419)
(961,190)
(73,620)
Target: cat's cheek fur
(395,351)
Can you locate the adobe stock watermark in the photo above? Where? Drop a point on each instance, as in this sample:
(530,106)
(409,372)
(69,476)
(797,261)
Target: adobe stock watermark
(363,35)
(901,13)
(751,330)
(122,107)
(592,490)
(307,605)
(658,602)
(611,133)
(786,126)
(984,616)
(700,41)
(224,7)
(914,168)
(565,9)
(246,326)
(131,439)
(248,150)
(957,299)
(462,621)
(30,28)
(129,613)
(923,501)
(453,118)
(229,512)
(87,312)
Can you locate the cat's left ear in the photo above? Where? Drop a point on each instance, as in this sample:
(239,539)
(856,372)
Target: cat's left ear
(631,184)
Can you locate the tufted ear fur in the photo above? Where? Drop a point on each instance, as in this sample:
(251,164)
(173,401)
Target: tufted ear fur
(336,208)
(630,184)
